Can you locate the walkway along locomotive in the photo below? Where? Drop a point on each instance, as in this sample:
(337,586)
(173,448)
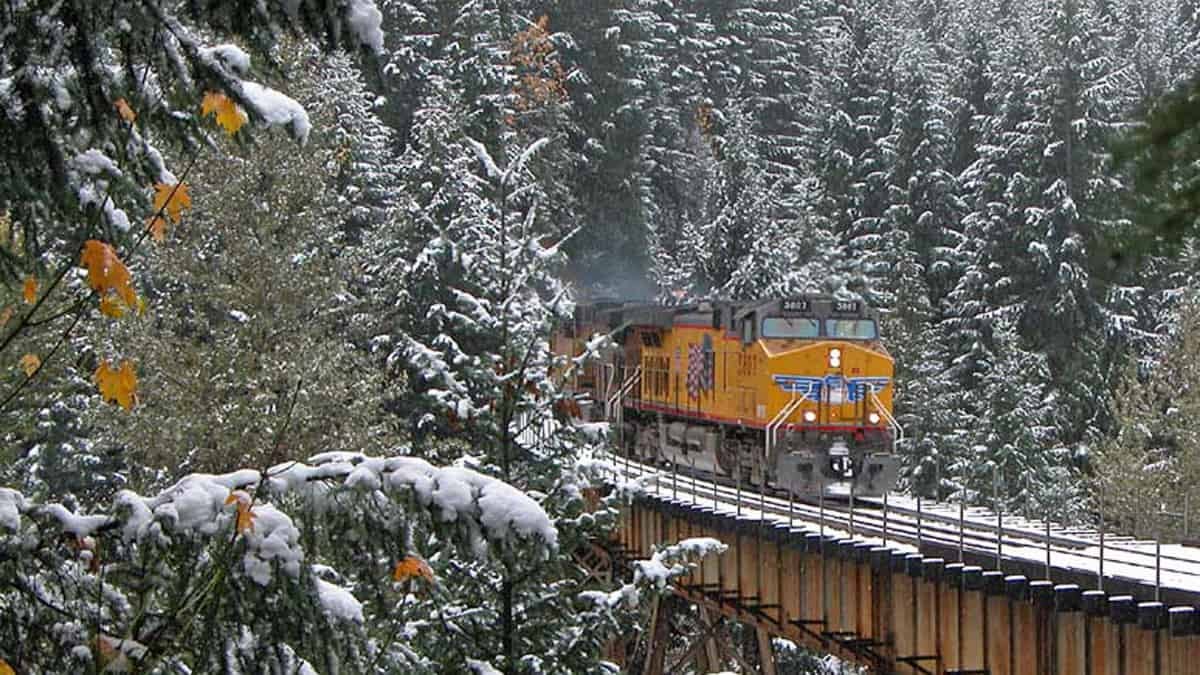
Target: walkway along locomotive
(796,392)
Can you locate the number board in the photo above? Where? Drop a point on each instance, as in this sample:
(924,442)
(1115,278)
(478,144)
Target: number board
(795,305)
(845,306)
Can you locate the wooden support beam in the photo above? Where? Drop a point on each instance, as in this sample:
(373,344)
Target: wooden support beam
(1142,651)
(1069,642)
(766,653)
(929,639)
(710,643)
(702,640)
(1023,644)
(973,630)
(741,660)
(904,606)
(949,626)
(997,635)
(926,664)
(656,650)
(882,612)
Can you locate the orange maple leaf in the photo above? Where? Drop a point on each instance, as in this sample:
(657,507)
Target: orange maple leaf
(412,566)
(30,364)
(30,290)
(158,228)
(229,114)
(172,198)
(109,656)
(124,110)
(245,517)
(106,272)
(110,307)
(119,386)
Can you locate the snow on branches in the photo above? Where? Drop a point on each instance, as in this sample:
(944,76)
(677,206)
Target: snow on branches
(668,563)
(233,562)
(99,102)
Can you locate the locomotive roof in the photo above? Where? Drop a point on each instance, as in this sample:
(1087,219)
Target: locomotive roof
(808,305)
(663,316)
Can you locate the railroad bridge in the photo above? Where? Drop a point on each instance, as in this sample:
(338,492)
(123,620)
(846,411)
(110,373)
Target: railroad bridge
(906,587)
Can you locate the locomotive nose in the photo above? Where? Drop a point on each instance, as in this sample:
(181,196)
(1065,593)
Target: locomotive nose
(827,376)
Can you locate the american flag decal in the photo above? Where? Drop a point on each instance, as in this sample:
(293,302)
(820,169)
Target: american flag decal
(699,371)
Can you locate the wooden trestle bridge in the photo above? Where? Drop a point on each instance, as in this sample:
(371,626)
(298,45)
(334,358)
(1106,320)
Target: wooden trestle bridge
(902,587)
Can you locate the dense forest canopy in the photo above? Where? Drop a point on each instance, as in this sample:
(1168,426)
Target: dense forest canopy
(269,231)
(952,162)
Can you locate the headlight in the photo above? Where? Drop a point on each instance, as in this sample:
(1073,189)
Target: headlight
(835,358)
(873,418)
(810,416)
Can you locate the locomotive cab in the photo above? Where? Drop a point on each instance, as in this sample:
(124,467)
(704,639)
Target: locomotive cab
(830,428)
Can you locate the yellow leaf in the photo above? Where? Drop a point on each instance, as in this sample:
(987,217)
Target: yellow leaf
(31,289)
(229,115)
(158,228)
(119,386)
(173,198)
(106,272)
(412,566)
(110,307)
(245,517)
(4,317)
(30,364)
(109,655)
(212,99)
(6,669)
(124,110)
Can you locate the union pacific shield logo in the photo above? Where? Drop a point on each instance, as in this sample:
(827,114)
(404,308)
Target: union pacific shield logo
(853,389)
(807,387)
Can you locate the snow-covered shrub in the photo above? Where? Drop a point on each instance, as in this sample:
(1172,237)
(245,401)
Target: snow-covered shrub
(229,573)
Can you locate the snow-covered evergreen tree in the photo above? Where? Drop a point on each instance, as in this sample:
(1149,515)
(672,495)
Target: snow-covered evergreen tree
(1076,111)
(1151,462)
(96,97)
(241,368)
(129,84)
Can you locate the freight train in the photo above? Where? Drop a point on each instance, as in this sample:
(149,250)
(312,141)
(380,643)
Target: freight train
(794,393)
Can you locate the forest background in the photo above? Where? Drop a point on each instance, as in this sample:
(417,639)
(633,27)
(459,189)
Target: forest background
(385,277)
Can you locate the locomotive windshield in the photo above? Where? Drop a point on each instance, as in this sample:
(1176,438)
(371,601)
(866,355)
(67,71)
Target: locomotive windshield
(790,327)
(851,329)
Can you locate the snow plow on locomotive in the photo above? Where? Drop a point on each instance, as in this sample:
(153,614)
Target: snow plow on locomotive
(795,392)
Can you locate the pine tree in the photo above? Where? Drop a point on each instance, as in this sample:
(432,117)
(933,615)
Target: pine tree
(1150,462)
(996,187)
(1076,110)
(608,253)
(93,124)
(851,115)
(226,358)
(465,286)
(130,82)
(1018,430)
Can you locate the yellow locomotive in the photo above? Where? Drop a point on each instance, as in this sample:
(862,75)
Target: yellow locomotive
(794,392)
